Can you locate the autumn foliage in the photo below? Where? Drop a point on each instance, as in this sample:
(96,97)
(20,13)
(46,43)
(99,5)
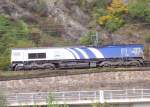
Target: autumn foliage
(115,14)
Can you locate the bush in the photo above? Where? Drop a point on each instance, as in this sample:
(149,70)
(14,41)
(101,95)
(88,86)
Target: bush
(87,38)
(99,8)
(140,10)
(147,38)
(90,39)
(147,14)
(101,3)
(117,8)
(114,24)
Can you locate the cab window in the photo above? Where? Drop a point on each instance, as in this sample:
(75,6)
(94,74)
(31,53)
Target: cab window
(36,55)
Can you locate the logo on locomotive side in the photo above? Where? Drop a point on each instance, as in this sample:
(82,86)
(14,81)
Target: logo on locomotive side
(137,51)
(124,52)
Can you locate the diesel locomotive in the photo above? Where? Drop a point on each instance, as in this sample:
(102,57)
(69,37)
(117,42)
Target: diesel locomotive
(77,57)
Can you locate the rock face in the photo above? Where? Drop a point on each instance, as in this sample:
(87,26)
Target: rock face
(73,19)
(59,11)
(11,9)
(95,81)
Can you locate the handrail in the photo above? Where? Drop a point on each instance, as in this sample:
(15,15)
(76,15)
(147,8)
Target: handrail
(70,97)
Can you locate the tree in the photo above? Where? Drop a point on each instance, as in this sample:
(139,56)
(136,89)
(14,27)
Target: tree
(140,10)
(114,18)
(117,8)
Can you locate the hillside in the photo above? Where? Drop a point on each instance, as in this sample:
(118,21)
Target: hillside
(38,23)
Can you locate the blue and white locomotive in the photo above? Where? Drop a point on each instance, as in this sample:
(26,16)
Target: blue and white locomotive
(77,57)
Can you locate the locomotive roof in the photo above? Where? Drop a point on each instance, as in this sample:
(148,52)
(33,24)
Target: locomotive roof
(100,46)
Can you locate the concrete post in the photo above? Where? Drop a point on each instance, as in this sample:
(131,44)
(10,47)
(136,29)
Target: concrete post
(101,96)
(33,100)
(142,93)
(79,95)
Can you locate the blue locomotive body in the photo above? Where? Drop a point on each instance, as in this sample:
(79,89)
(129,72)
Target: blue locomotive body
(122,51)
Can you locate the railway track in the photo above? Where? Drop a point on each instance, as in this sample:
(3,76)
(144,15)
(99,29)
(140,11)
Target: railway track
(147,63)
(17,75)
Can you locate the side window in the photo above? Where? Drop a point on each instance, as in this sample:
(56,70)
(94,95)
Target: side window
(41,55)
(31,56)
(36,55)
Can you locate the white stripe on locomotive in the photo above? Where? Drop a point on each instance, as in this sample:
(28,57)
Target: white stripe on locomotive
(76,55)
(83,53)
(96,52)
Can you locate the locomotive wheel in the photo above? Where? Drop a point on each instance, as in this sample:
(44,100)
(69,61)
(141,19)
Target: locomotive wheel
(34,67)
(106,64)
(17,68)
(49,66)
(134,63)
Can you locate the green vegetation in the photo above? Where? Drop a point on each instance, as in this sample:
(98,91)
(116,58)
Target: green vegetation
(3,101)
(19,34)
(87,38)
(90,38)
(12,34)
(102,105)
(93,105)
(117,11)
(51,103)
(147,38)
(140,10)
(113,18)
(111,15)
